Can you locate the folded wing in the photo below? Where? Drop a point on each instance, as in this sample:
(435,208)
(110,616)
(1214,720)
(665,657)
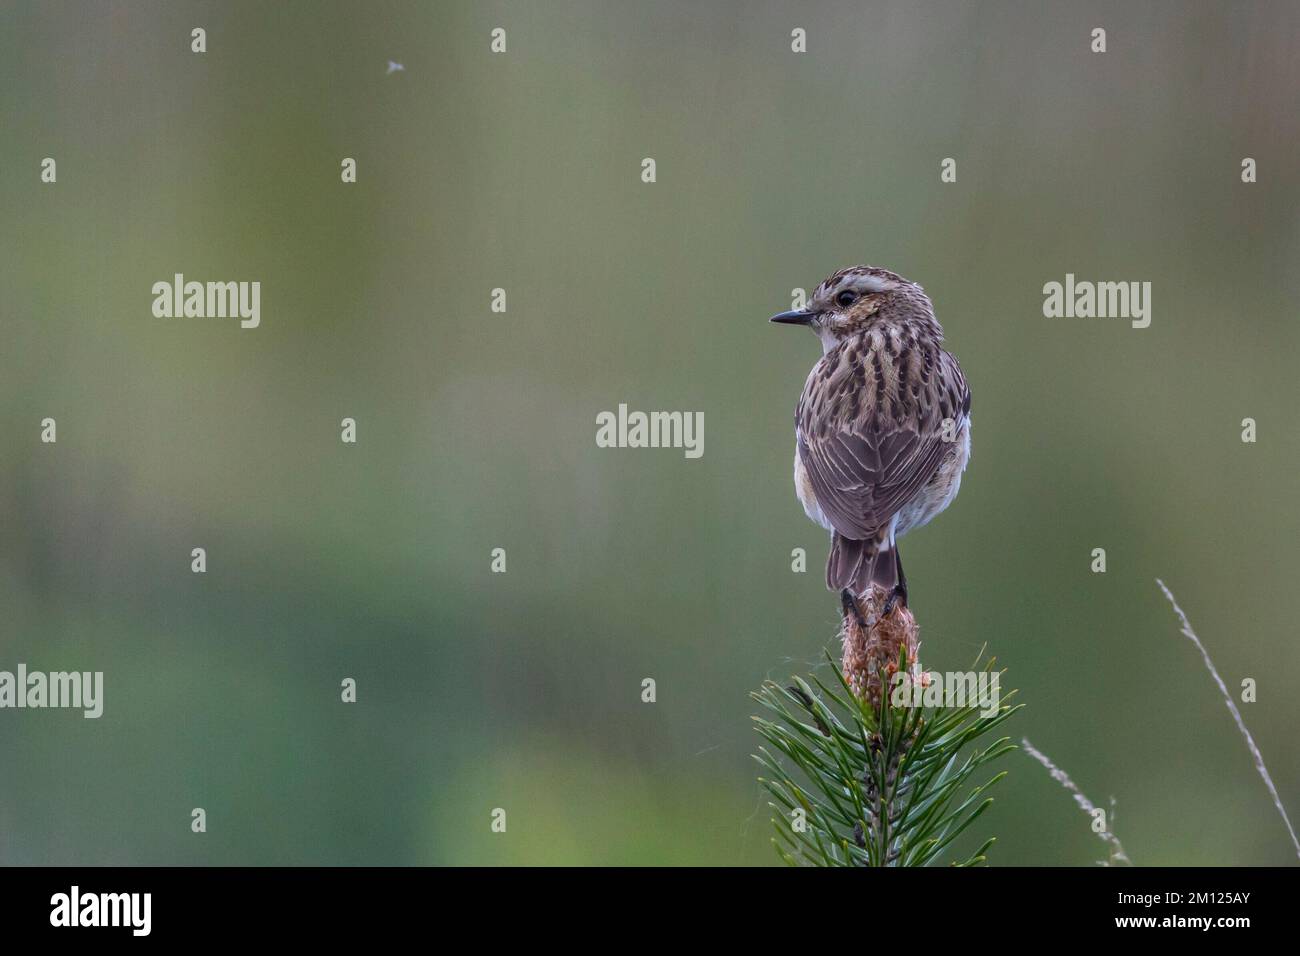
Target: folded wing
(867,466)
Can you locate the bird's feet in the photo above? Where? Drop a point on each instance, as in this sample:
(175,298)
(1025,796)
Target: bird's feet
(896,596)
(851,608)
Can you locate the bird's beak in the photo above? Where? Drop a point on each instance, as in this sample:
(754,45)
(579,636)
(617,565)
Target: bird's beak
(795,317)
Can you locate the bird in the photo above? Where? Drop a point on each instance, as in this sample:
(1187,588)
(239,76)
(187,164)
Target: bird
(393,67)
(882,427)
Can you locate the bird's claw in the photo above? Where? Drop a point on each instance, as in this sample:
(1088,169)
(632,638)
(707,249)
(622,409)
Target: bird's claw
(897,595)
(851,608)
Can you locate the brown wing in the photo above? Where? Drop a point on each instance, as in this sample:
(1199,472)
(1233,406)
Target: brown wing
(870,437)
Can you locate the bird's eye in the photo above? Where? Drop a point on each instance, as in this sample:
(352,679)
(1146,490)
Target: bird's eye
(846,298)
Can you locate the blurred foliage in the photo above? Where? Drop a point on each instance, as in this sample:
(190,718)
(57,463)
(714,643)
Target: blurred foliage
(476,430)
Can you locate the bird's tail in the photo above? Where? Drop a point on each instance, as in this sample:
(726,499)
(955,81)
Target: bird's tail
(857,565)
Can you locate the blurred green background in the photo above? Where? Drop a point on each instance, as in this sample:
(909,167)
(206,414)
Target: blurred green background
(477,430)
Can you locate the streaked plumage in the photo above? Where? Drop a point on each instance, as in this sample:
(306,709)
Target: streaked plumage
(882,429)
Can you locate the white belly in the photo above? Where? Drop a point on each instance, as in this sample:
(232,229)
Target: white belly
(937,493)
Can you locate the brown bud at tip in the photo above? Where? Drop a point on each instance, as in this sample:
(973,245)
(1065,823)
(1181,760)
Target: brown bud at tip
(872,645)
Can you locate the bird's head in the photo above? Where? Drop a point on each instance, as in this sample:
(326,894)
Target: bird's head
(853,301)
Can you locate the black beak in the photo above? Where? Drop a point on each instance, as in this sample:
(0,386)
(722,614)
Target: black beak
(796,317)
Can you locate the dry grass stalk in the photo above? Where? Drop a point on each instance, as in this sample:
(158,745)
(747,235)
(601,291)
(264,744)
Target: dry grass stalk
(1117,854)
(1236,714)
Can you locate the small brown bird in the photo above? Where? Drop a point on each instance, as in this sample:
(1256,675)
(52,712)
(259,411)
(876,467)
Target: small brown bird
(882,429)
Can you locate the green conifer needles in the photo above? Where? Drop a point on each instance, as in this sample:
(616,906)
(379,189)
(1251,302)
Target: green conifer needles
(863,784)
